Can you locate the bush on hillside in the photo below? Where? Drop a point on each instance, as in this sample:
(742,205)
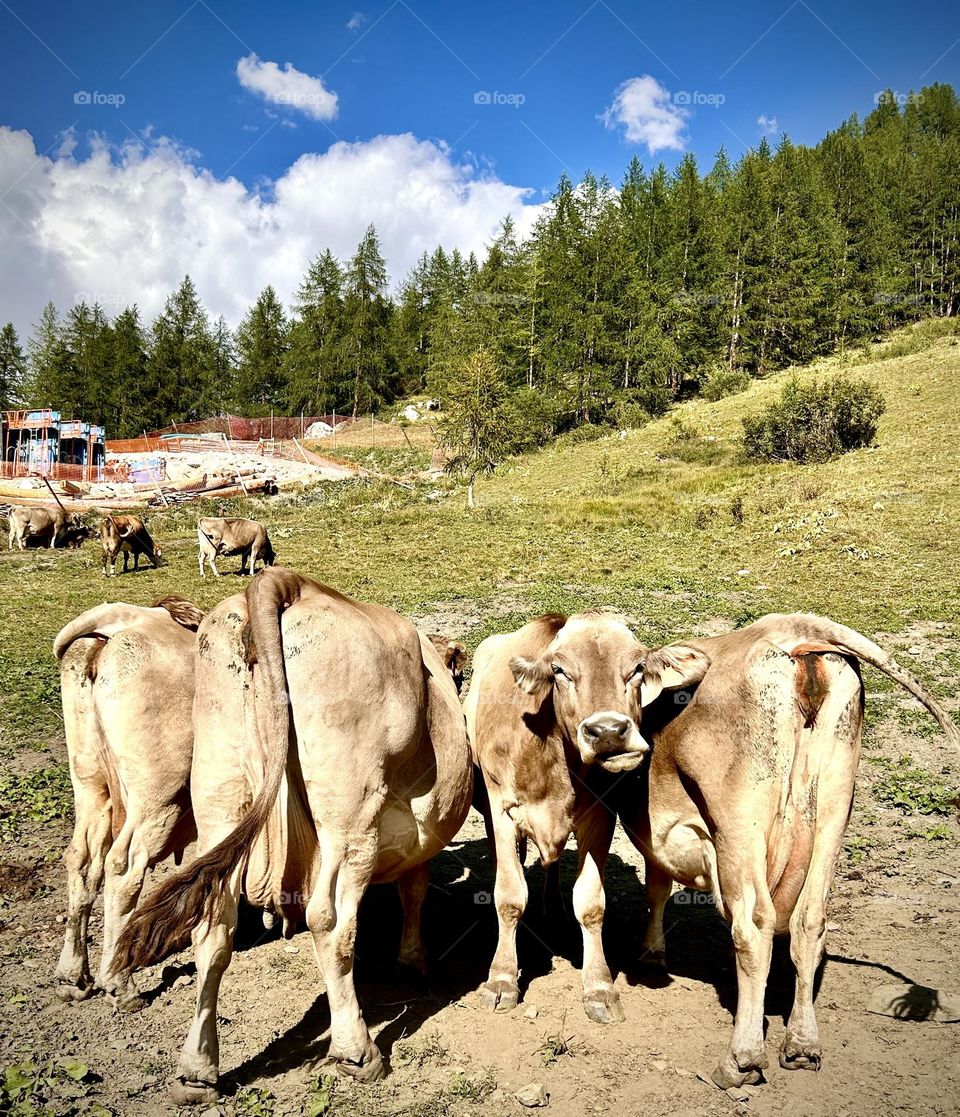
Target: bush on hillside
(815,422)
(722,382)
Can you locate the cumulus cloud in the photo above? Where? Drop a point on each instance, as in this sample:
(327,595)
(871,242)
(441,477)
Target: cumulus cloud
(356,21)
(123,225)
(767,124)
(288,87)
(648,115)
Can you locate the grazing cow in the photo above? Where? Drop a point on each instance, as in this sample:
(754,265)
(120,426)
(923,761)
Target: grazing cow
(330,753)
(247,538)
(126,679)
(552,715)
(454,656)
(47,525)
(747,796)
(129,535)
(75,536)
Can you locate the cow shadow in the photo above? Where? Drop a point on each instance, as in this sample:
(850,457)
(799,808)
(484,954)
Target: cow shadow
(460,934)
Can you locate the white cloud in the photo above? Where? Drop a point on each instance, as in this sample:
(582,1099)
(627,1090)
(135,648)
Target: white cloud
(648,114)
(356,21)
(767,124)
(124,225)
(287,87)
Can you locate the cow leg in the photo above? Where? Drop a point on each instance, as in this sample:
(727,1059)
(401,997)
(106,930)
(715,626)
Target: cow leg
(199,1065)
(84,860)
(213,567)
(137,846)
(659,887)
(501,992)
(413,891)
(752,917)
(253,559)
(594,831)
(346,866)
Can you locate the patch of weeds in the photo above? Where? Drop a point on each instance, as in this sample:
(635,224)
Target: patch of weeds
(472,1088)
(556,1045)
(323,1096)
(939,832)
(29,1090)
(43,795)
(430,1049)
(911,788)
(736,511)
(255,1102)
(860,847)
(918,723)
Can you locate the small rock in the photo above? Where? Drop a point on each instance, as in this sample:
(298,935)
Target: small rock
(290,949)
(737,1095)
(531,1012)
(182,981)
(61,919)
(743,573)
(149,1081)
(658,1065)
(833,927)
(684,1073)
(742,1110)
(914,651)
(533,1095)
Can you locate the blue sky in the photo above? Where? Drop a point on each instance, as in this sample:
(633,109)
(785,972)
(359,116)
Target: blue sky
(166,73)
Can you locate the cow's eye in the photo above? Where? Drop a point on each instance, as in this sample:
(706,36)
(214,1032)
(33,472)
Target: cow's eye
(636,673)
(559,671)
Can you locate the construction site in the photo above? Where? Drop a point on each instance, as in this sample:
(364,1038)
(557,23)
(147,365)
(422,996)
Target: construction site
(50,460)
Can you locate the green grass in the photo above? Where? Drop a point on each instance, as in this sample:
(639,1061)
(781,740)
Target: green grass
(665,522)
(41,796)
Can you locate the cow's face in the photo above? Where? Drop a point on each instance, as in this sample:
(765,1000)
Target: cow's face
(601,677)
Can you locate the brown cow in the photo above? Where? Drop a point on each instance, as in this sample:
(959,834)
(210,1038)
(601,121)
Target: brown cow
(126,680)
(454,656)
(47,525)
(748,795)
(374,781)
(552,717)
(129,535)
(247,538)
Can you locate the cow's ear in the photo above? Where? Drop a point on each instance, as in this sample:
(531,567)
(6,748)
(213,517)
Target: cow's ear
(531,675)
(672,667)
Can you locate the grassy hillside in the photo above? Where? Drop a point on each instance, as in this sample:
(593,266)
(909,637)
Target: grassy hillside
(664,523)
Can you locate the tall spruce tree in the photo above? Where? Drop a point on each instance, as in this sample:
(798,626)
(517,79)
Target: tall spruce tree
(261,346)
(13,369)
(366,321)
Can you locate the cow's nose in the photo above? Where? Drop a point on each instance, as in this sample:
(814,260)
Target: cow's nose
(608,727)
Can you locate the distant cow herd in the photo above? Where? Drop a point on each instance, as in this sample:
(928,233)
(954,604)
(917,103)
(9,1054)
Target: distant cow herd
(313,745)
(128,535)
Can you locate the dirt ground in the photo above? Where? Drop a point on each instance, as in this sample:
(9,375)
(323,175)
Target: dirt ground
(895,917)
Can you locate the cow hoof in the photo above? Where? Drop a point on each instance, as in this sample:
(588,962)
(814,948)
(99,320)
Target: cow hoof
(654,960)
(730,1075)
(67,992)
(128,1003)
(796,1055)
(183,1092)
(369,1068)
(501,996)
(603,1007)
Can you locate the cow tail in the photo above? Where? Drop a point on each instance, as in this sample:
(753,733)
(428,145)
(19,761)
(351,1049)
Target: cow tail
(189,897)
(103,621)
(848,640)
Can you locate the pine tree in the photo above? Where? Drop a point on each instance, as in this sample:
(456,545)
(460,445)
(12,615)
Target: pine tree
(475,424)
(128,372)
(366,316)
(261,342)
(313,366)
(13,369)
(180,369)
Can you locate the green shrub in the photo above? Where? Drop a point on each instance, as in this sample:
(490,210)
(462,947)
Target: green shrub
(911,788)
(814,422)
(533,418)
(723,382)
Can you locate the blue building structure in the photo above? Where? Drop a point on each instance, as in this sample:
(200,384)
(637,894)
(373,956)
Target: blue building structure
(41,443)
